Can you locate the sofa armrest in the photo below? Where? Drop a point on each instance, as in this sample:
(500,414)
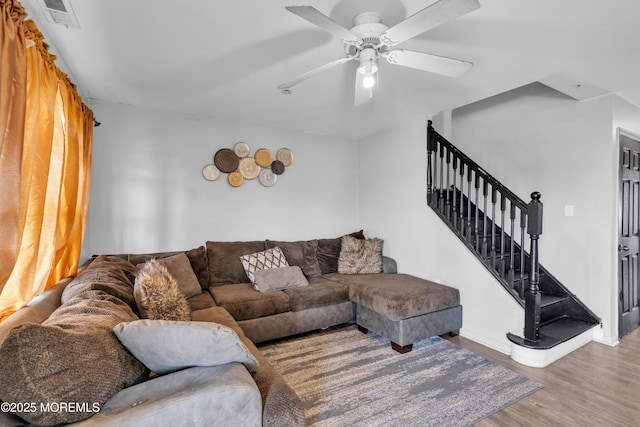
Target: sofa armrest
(389,265)
(223,395)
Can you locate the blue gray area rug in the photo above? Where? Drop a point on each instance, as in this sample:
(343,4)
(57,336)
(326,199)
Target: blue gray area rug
(347,378)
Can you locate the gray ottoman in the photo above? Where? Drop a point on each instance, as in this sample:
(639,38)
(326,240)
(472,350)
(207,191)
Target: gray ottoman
(405,308)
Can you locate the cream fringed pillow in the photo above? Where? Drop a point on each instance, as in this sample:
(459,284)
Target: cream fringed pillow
(360,256)
(157,294)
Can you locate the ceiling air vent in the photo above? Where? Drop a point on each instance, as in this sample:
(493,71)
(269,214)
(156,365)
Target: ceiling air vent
(60,12)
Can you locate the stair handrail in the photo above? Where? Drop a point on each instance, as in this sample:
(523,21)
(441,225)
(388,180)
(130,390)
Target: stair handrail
(432,133)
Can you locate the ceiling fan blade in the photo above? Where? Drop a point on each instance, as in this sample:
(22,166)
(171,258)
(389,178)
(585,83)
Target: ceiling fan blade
(430,17)
(362,95)
(314,72)
(426,62)
(318,18)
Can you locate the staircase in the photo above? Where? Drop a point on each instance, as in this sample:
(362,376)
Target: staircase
(497,227)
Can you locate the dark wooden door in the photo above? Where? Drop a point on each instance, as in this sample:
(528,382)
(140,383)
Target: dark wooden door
(629,235)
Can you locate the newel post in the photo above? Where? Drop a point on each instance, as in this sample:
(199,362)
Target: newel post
(431,148)
(532,296)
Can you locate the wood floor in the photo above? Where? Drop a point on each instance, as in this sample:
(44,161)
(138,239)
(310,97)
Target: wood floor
(596,385)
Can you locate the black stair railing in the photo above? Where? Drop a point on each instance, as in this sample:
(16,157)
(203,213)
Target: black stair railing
(494,223)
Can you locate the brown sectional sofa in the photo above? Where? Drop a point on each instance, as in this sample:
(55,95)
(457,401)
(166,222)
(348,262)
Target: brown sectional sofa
(402,307)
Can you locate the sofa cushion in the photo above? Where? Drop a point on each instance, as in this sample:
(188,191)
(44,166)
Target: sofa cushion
(104,275)
(73,356)
(329,251)
(180,268)
(399,296)
(219,315)
(301,253)
(200,302)
(280,278)
(197,258)
(263,260)
(224,261)
(360,256)
(319,293)
(243,302)
(166,346)
(158,295)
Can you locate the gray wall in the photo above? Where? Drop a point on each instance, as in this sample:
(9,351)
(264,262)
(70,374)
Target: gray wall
(148,192)
(532,138)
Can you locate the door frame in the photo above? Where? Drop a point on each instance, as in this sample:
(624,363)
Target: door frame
(620,132)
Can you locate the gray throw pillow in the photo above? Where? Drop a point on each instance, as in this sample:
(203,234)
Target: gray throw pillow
(166,346)
(280,278)
(360,256)
(271,258)
(180,268)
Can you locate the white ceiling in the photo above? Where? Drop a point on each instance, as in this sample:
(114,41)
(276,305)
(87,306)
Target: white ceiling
(224,59)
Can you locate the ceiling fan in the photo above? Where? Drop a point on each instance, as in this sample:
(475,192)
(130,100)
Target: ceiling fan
(370,39)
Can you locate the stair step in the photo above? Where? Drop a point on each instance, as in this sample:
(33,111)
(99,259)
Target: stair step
(547,300)
(554,332)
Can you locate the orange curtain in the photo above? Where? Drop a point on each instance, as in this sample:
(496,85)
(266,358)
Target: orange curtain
(46,210)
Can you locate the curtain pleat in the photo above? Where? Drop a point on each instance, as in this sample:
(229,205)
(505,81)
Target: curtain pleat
(53,177)
(13,93)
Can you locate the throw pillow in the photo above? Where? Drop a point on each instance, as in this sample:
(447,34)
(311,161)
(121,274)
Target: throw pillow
(157,294)
(197,259)
(302,254)
(280,278)
(360,256)
(329,251)
(167,346)
(225,267)
(180,269)
(271,258)
(73,356)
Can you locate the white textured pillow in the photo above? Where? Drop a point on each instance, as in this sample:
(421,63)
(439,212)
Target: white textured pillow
(166,346)
(271,258)
(280,278)
(360,256)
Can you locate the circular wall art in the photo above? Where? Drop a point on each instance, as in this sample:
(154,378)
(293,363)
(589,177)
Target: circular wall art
(248,168)
(241,149)
(241,166)
(263,157)
(226,160)
(211,172)
(267,177)
(235,179)
(277,167)
(285,156)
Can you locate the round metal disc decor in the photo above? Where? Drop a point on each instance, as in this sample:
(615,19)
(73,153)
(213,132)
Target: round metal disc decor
(263,157)
(267,177)
(210,172)
(248,168)
(226,160)
(285,156)
(277,167)
(235,179)
(241,149)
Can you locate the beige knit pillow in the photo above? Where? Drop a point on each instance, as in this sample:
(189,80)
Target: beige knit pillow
(360,256)
(158,295)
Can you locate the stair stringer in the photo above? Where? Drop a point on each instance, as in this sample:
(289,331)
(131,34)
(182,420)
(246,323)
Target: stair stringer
(489,311)
(507,313)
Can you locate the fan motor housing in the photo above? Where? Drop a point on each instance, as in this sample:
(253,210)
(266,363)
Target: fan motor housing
(368,28)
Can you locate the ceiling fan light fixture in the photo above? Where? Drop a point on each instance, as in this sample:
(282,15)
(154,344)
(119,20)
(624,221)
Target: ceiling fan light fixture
(368,61)
(369,81)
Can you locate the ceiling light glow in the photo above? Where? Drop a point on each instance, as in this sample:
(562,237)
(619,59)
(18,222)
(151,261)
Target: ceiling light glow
(369,81)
